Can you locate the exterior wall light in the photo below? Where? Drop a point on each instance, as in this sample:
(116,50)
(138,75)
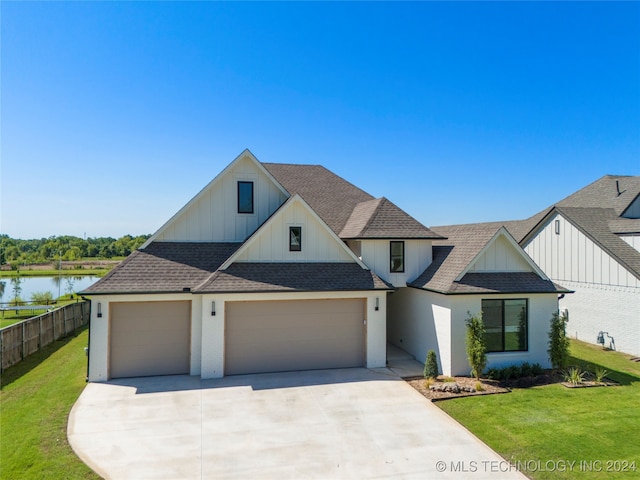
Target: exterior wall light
(213,309)
(99,310)
(377,303)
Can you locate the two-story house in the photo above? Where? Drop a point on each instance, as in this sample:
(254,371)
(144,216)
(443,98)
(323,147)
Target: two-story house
(276,267)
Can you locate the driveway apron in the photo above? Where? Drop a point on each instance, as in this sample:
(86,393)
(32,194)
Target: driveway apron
(327,424)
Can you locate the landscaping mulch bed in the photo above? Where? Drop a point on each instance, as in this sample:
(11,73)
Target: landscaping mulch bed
(491,387)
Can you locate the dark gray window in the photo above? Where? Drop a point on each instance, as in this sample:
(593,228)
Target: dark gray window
(397,257)
(506,325)
(245,197)
(295,239)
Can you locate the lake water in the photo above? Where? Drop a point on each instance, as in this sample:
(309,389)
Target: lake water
(56,285)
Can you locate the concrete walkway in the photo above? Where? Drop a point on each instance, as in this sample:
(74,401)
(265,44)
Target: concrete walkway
(327,424)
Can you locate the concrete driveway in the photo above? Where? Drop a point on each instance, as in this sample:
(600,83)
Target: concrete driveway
(328,424)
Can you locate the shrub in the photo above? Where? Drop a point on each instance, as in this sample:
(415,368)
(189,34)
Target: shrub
(431,365)
(42,298)
(558,341)
(476,348)
(479,387)
(600,373)
(515,371)
(536,369)
(574,376)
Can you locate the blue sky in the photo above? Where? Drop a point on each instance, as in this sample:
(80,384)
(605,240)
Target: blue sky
(115,114)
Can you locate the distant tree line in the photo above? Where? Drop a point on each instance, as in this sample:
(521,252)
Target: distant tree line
(50,250)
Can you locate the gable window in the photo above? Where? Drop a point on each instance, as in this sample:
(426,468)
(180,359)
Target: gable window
(245,197)
(295,239)
(506,324)
(397,257)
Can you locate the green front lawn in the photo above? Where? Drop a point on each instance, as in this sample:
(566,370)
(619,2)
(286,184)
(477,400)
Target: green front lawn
(549,427)
(36,396)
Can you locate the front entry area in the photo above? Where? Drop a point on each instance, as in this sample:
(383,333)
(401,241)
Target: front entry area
(277,336)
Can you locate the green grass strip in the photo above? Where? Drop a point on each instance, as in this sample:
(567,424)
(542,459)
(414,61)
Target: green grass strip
(36,397)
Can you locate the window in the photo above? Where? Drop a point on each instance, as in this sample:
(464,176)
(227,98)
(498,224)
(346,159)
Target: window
(295,239)
(245,197)
(506,325)
(397,257)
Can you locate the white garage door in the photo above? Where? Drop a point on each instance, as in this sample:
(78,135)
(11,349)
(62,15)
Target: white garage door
(149,338)
(276,336)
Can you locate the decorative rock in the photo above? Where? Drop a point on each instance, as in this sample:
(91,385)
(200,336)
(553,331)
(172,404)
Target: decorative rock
(450,387)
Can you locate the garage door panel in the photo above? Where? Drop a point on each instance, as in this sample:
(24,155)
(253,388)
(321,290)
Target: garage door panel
(294,335)
(149,338)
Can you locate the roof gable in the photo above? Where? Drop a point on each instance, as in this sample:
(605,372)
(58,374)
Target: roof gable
(270,243)
(211,215)
(501,254)
(380,218)
(466,262)
(596,224)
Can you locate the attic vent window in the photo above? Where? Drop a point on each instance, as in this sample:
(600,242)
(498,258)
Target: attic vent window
(295,239)
(557,225)
(245,197)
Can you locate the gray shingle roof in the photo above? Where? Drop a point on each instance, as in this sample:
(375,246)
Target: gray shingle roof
(301,277)
(164,267)
(380,218)
(603,193)
(505,282)
(625,225)
(330,196)
(451,256)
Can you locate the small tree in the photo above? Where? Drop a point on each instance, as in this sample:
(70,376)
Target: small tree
(42,298)
(476,348)
(431,365)
(558,341)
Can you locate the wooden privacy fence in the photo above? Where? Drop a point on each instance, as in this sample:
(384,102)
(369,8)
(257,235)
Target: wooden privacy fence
(20,340)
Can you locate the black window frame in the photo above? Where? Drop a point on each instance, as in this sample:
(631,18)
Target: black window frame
(503,330)
(240,206)
(292,246)
(391,257)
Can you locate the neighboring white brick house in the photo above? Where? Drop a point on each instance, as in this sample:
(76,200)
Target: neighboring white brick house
(588,243)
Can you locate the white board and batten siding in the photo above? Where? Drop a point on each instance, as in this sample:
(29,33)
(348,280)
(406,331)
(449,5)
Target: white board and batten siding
(571,256)
(376,255)
(271,243)
(633,240)
(213,216)
(500,256)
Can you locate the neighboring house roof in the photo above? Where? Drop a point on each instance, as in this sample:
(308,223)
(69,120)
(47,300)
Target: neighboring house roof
(380,218)
(625,225)
(595,223)
(299,277)
(453,256)
(611,191)
(330,196)
(164,267)
(596,211)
